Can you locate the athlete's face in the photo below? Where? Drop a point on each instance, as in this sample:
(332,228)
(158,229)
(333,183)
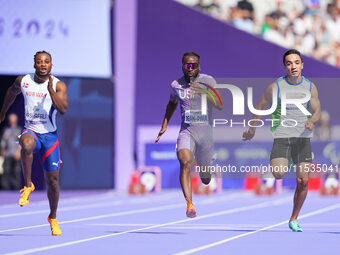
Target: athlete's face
(190,66)
(43,64)
(293,65)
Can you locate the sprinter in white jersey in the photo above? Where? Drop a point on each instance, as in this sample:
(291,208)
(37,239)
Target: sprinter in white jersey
(44,96)
(195,136)
(291,139)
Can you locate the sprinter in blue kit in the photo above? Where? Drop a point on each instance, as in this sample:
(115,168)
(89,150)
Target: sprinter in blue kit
(44,96)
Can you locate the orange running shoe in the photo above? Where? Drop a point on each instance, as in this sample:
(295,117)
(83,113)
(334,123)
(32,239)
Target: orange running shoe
(55,229)
(191,211)
(25,195)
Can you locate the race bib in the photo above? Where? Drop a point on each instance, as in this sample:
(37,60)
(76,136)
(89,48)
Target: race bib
(195,117)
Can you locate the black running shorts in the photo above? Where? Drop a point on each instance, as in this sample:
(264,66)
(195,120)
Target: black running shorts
(297,148)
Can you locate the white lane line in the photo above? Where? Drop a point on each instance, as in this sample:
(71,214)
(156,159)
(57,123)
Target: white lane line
(188,226)
(64,209)
(152,209)
(89,206)
(65,200)
(229,211)
(325,224)
(204,247)
(120,225)
(88,199)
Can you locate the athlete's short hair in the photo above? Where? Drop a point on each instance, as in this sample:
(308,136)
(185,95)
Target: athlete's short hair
(191,53)
(289,52)
(41,52)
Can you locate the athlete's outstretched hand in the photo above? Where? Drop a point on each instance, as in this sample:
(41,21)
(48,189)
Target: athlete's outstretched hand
(195,89)
(248,135)
(161,132)
(309,125)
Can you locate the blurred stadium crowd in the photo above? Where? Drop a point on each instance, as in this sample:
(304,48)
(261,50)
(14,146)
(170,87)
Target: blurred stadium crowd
(310,26)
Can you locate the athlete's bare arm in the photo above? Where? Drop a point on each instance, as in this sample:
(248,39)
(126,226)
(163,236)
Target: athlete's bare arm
(11,94)
(170,109)
(264,101)
(59,97)
(316,108)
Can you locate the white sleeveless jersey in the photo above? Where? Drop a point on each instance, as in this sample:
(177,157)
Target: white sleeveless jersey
(40,114)
(294,119)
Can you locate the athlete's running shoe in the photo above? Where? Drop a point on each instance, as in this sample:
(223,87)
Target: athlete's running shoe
(55,229)
(25,195)
(294,226)
(191,211)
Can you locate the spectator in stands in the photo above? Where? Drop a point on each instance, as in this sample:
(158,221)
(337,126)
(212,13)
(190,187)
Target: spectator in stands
(268,23)
(324,47)
(333,23)
(278,13)
(214,9)
(333,27)
(245,5)
(10,150)
(201,6)
(312,6)
(306,45)
(288,35)
(305,26)
(273,33)
(234,12)
(242,16)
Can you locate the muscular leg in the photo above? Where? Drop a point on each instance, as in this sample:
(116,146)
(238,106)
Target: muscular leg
(27,147)
(185,158)
(52,181)
(204,153)
(205,177)
(301,189)
(279,166)
(204,166)
(204,163)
